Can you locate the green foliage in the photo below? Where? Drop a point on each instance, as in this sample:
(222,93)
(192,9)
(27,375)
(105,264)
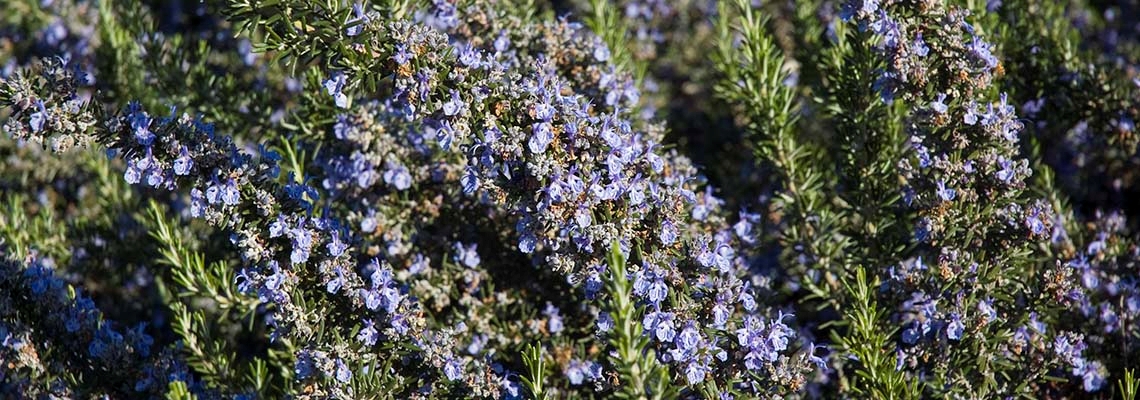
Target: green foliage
(1129,385)
(642,375)
(210,81)
(311,34)
(605,20)
(299,33)
(870,345)
(754,80)
(536,370)
(867,144)
(178,391)
(22,234)
(209,315)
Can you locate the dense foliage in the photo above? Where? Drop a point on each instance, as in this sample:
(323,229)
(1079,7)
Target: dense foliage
(506,199)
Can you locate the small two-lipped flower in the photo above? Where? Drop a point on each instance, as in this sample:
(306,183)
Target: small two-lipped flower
(920,48)
(184,162)
(37,119)
(946,193)
(335,88)
(356,24)
(579,371)
(939,105)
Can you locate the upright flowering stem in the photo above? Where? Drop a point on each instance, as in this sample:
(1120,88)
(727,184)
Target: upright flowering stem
(965,181)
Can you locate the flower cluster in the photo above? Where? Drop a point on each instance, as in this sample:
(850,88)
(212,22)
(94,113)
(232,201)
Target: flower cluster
(486,199)
(60,318)
(965,181)
(568,175)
